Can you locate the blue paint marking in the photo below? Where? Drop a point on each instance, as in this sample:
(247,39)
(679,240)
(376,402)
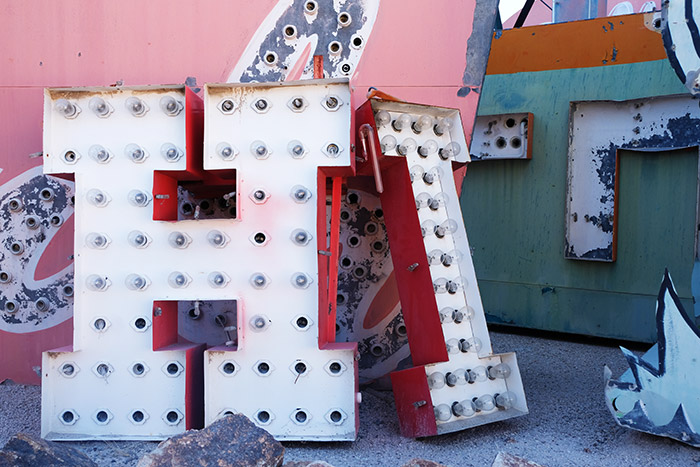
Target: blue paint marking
(671,53)
(325,26)
(463,92)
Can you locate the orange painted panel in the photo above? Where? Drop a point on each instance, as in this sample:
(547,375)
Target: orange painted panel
(580,44)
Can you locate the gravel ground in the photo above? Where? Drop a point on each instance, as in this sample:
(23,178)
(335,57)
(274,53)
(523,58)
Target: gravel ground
(568,424)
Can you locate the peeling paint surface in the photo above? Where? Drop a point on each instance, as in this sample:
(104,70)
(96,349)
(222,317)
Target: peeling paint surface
(598,129)
(21,294)
(284,45)
(369,311)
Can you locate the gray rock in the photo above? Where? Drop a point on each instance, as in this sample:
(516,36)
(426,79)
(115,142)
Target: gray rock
(503,459)
(422,463)
(27,450)
(230,441)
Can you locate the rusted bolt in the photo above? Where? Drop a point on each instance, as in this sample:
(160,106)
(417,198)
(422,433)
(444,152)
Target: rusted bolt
(412,267)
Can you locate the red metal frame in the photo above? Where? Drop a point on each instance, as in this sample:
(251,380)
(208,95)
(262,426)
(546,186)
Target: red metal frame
(425,337)
(415,285)
(413,403)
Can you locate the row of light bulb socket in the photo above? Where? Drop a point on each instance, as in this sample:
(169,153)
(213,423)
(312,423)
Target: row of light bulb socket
(180,280)
(455,346)
(181,240)
(425,200)
(447,259)
(260,150)
(140,198)
(409,145)
(442,285)
(296,104)
(335,47)
(468,408)
(420,126)
(133,152)
(136,416)
(311,9)
(344,19)
(429,177)
(430,227)
(102,369)
(41,304)
(16,204)
(453,315)
(300,416)
(103,109)
(460,376)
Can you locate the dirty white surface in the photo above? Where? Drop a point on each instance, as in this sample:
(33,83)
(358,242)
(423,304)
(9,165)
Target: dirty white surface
(568,424)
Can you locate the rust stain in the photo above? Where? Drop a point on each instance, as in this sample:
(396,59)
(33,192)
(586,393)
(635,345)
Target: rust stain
(219,90)
(157,90)
(549,47)
(214,353)
(83,93)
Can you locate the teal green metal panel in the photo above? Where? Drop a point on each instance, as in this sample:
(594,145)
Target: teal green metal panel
(514,211)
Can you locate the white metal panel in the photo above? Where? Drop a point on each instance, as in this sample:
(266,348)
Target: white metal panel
(500,137)
(325,392)
(116,342)
(433,180)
